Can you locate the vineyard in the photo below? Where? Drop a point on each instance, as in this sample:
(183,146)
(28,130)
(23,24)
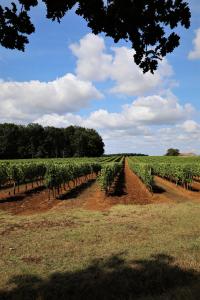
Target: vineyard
(121,226)
(61,175)
(181,171)
(57,174)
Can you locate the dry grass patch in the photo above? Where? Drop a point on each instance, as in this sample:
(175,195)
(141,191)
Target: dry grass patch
(130,252)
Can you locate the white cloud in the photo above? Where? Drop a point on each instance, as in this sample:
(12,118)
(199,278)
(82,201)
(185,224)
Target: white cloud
(130,79)
(29,100)
(57,120)
(187,132)
(195,53)
(191,127)
(93,63)
(157,110)
(133,118)
(135,128)
(150,110)
(33,100)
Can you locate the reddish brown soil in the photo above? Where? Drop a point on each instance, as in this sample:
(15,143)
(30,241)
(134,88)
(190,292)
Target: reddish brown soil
(130,190)
(23,188)
(88,196)
(166,191)
(31,201)
(134,191)
(196,186)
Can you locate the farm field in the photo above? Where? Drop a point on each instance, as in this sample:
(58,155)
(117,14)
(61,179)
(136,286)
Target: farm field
(40,184)
(114,229)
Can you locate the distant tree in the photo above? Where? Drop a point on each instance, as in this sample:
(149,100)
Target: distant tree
(33,140)
(87,142)
(172,152)
(9,136)
(22,143)
(95,143)
(53,144)
(69,147)
(80,143)
(147,24)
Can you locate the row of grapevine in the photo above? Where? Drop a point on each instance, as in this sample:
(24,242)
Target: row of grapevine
(180,171)
(143,171)
(59,175)
(46,173)
(21,173)
(114,158)
(109,172)
(168,159)
(182,174)
(60,160)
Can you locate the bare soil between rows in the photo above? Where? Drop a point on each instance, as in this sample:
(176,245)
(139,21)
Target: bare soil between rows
(168,191)
(130,190)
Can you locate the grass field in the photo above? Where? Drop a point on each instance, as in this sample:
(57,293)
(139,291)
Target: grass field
(127,252)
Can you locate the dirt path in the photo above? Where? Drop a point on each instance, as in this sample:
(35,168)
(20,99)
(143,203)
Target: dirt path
(167,191)
(130,190)
(135,191)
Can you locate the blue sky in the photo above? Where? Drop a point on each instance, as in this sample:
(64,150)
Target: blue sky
(69,76)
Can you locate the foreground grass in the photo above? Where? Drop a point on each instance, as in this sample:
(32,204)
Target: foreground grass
(130,252)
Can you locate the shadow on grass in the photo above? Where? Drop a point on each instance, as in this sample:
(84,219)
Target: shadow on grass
(111,279)
(76,191)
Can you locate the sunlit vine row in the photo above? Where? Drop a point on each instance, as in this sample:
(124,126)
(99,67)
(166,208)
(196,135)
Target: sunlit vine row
(143,171)
(109,172)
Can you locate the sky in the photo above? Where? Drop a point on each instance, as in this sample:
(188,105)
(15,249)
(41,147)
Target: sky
(69,76)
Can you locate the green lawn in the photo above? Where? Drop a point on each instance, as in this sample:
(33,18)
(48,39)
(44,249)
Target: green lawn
(130,252)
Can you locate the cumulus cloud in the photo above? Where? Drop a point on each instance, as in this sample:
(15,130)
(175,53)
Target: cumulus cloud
(144,111)
(95,64)
(137,125)
(190,126)
(32,100)
(158,110)
(130,79)
(158,140)
(187,133)
(195,53)
(29,100)
(92,61)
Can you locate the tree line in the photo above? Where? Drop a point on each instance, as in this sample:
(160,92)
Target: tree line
(35,141)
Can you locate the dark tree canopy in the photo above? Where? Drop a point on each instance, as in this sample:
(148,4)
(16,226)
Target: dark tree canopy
(33,140)
(172,152)
(147,24)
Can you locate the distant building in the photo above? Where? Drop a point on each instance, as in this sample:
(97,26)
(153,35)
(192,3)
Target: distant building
(187,154)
